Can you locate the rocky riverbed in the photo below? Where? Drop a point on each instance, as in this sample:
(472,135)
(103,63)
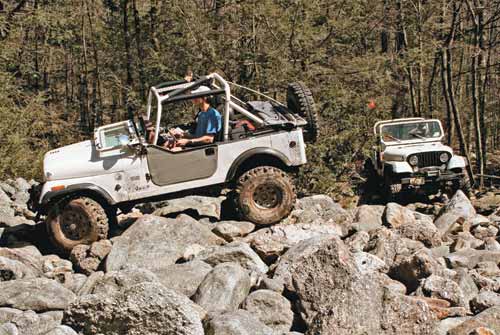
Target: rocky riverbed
(177,268)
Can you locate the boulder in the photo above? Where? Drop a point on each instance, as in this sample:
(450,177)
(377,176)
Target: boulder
(446,324)
(412,269)
(145,308)
(184,278)
(154,242)
(272,242)
(459,207)
(355,302)
(238,252)
(397,215)
(390,247)
(368,218)
(203,206)
(488,319)
(55,267)
(223,289)
(37,294)
(484,300)
(442,288)
(465,240)
(238,322)
(272,284)
(28,255)
(358,241)
(12,269)
(230,230)
(271,308)
(115,281)
(87,258)
(467,285)
(320,209)
(29,322)
(422,230)
(469,258)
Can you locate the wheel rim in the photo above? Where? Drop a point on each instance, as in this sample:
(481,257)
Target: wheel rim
(267,196)
(74,223)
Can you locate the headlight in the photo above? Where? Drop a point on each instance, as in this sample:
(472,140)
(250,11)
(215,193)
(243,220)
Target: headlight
(413,160)
(444,157)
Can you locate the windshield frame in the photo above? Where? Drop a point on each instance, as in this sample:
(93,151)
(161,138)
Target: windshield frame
(410,141)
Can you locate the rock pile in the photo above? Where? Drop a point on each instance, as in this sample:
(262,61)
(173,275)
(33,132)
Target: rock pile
(324,270)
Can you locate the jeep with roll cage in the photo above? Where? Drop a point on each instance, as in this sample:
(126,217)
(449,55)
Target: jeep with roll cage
(409,156)
(85,183)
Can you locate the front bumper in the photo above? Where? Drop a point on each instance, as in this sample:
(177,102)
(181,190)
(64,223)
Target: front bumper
(431,177)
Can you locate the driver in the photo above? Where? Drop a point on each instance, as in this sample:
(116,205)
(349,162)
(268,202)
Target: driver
(208,123)
(422,130)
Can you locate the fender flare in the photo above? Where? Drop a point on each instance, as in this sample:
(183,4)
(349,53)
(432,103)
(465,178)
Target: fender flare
(253,152)
(398,167)
(76,188)
(456,162)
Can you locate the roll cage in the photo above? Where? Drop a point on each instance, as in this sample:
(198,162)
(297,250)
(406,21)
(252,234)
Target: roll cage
(180,90)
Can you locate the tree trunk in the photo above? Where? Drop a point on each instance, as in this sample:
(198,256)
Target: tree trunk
(128,61)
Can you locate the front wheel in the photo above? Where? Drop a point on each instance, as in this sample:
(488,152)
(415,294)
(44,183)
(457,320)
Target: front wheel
(76,221)
(265,195)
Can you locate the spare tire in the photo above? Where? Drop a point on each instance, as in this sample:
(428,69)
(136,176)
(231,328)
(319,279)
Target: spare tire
(300,101)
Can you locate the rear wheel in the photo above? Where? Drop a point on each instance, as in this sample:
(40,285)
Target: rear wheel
(74,221)
(265,195)
(300,101)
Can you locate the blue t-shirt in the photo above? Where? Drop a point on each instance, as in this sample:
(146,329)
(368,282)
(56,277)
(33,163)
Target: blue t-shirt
(208,123)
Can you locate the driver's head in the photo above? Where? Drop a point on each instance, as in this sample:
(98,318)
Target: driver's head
(200,100)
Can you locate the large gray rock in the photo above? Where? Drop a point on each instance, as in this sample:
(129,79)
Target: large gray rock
(145,308)
(397,215)
(485,300)
(442,288)
(469,258)
(184,278)
(335,297)
(272,242)
(445,325)
(29,322)
(28,255)
(238,252)
(423,231)
(229,230)
(320,209)
(238,322)
(459,207)
(489,318)
(37,294)
(154,242)
(271,308)
(368,217)
(390,247)
(224,288)
(203,206)
(116,281)
(11,269)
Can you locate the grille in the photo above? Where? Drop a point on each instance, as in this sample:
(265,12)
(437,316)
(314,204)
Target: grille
(426,159)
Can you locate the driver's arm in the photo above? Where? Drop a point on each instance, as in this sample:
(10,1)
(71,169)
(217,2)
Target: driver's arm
(206,139)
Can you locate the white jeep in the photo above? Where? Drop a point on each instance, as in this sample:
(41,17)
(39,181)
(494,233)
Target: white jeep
(409,156)
(260,144)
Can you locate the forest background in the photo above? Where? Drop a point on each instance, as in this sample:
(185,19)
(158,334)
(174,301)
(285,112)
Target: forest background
(68,66)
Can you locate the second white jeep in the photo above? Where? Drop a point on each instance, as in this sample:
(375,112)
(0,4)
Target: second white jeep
(409,155)
(260,144)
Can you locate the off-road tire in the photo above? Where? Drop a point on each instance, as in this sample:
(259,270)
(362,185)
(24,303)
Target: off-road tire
(264,208)
(300,101)
(76,220)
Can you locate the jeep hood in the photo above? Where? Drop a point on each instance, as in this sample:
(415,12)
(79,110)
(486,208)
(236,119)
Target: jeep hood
(401,152)
(78,160)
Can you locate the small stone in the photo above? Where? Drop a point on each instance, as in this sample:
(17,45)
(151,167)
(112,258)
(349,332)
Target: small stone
(101,249)
(229,230)
(484,300)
